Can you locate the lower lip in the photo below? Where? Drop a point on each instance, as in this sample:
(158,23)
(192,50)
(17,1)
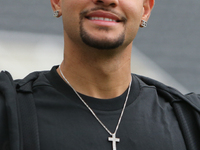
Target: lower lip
(104,23)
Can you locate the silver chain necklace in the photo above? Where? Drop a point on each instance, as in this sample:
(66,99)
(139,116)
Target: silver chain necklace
(112,139)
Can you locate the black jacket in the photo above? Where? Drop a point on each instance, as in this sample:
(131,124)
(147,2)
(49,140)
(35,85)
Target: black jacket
(18,109)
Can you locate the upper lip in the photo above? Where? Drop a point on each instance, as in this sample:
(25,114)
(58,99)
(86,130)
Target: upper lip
(104,14)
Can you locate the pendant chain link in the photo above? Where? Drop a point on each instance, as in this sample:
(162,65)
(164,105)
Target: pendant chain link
(124,106)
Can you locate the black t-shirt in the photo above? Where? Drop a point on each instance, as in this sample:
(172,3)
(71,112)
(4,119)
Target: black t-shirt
(64,121)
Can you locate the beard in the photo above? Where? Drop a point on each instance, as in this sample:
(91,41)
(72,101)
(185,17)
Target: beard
(104,43)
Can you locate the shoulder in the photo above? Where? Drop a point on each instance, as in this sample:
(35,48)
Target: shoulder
(30,81)
(186,109)
(170,93)
(9,87)
(9,112)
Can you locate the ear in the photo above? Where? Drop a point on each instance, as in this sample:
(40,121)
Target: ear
(147,8)
(56,6)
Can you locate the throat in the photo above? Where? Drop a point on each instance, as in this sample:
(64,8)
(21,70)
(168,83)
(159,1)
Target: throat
(104,82)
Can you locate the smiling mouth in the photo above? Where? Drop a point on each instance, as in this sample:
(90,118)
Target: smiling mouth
(103,19)
(100,15)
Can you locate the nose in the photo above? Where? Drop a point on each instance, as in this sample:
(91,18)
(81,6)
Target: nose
(112,3)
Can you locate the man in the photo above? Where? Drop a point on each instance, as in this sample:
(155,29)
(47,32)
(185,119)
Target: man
(91,101)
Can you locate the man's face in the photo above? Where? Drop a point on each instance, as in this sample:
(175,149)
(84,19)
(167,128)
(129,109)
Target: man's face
(102,24)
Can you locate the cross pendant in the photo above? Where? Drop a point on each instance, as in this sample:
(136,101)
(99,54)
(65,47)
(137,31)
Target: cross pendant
(114,140)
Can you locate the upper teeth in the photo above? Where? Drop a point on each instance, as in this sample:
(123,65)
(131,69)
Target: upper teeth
(101,18)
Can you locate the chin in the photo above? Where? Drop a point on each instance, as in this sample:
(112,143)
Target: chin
(102,41)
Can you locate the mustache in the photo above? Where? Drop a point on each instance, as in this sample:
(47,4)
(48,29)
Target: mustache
(85,12)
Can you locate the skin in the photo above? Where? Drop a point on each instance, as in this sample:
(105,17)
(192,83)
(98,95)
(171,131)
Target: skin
(104,73)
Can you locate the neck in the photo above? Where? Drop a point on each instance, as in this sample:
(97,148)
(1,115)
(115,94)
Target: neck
(97,73)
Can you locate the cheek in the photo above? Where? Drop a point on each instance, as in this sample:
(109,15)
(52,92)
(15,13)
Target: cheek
(70,16)
(71,12)
(133,10)
(134,18)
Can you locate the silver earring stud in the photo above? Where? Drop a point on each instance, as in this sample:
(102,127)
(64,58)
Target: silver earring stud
(143,23)
(56,13)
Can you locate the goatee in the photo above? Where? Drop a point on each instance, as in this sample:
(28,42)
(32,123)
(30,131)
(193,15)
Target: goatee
(104,44)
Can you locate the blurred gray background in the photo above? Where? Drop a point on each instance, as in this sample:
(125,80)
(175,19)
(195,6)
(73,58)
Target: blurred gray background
(171,41)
